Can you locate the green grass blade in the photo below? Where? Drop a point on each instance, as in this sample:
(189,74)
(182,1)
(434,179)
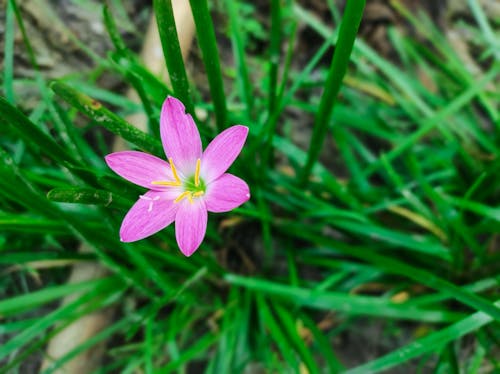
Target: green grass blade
(429,344)
(268,131)
(32,134)
(347,303)
(172,52)
(86,196)
(345,42)
(91,300)
(244,85)
(323,344)
(210,54)
(201,344)
(106,118)
(483,23)
(26,39)
(27,195)
(431,122)
(274,53)
(394,266)
(139,76)
(475,207)
(277,333)
(22,303)
(19,223)
(289,323)
(89,343)
(8,53)
(114,35)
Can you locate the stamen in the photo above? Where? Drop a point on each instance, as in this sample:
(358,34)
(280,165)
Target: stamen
(167,183)
(198,193)
(197,173)
(174,171)
(176,183)
(183,195)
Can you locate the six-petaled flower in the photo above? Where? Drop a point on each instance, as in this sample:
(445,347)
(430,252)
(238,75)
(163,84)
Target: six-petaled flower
(192,182)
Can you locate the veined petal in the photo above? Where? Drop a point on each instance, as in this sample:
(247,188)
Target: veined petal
(180,136)
(139,168)
(226,193)
(190,225)
(150,214)
(222,151)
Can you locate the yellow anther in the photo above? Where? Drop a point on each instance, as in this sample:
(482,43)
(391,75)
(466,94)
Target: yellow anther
(174,171)
(197,173)
(198,193)
(183,195)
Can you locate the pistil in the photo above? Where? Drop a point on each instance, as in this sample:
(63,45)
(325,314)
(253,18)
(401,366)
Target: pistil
(197,173)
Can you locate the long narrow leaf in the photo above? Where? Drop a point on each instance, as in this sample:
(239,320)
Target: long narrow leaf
(347,34)
(429,344)
(208,45)
(172,51)
(94,109)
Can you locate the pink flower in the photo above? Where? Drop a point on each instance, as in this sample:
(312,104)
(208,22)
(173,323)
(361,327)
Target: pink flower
(192,182)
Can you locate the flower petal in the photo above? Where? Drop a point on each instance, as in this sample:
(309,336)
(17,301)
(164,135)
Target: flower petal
(190,225)
(222,151)
(179,135)
(150,214)
(226,193)
(140,168)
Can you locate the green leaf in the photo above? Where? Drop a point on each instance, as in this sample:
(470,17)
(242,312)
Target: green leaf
(94,110)
(347,303)
(351,19)
(244,85)
(32,134)
(86,196)
(277,333)
(289,323)
(429,344)
(8,54)
(115,36)
(208,44)
(394,266)
(22,303)
(22,224)
(172,52)
(92,300)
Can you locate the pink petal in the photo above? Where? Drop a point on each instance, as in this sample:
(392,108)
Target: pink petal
(140,168)
(226,193)
(190,225)
(179,135)
(150,214)
(222,151)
